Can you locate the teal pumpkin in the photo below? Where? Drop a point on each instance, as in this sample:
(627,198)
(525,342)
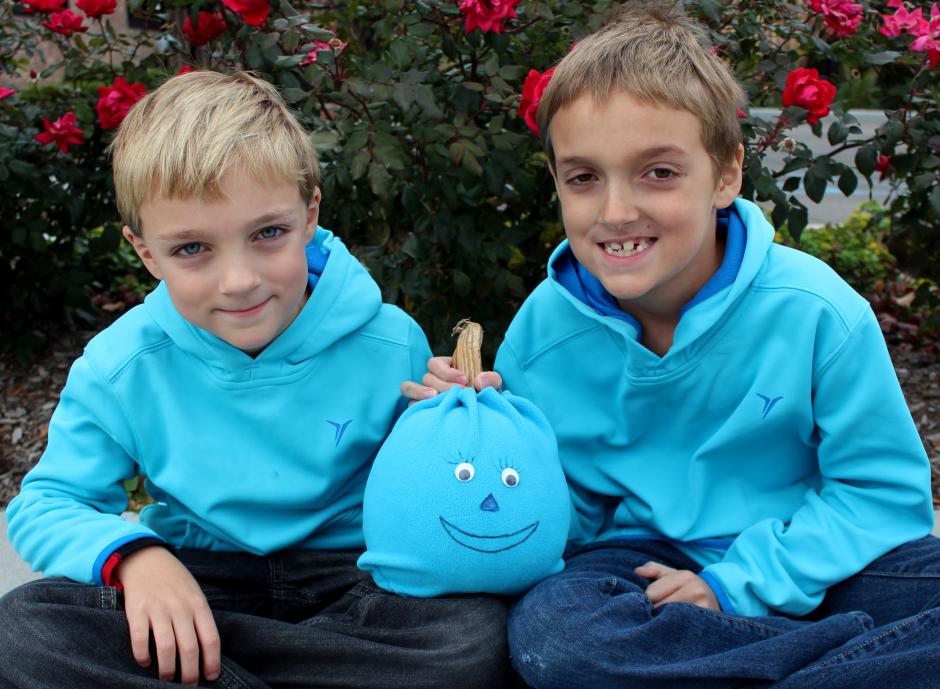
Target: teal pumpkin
(466,496)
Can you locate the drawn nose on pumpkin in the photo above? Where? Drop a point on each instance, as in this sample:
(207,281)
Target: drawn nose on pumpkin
(489,504)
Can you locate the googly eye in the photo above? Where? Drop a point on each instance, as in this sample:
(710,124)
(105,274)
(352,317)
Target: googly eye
(464,472)
(510,477)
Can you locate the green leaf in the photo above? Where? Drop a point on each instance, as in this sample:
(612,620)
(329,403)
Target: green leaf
(797,221)
(935,201)
(462,284)
(379,180)
(882,58)
(711,9)
(848,182)
(866,158)
(792,184)
(815,185)
(780,214)
(838,133)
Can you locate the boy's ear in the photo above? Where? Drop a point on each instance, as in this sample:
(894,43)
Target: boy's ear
(313,215)
(729,184)
(143,252)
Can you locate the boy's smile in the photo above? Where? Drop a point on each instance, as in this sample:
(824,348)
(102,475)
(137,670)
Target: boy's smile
(235,266)
(638,192)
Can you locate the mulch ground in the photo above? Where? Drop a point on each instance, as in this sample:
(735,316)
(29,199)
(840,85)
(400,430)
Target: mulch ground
(29,395)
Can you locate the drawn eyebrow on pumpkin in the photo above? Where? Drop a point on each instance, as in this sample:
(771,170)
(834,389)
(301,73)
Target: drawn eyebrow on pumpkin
(460,459)
(504,462)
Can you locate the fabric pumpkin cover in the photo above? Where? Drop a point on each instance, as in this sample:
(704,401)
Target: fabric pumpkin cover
(466,496)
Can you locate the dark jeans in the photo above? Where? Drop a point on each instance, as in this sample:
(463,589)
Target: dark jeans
(591,626)
(293,619)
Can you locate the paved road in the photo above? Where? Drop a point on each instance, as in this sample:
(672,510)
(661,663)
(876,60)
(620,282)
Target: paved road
(835,206)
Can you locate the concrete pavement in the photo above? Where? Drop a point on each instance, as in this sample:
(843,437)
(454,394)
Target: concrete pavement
(13,571)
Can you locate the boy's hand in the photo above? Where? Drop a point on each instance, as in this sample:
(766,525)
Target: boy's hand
(442,376)
(676,586)
(160,595)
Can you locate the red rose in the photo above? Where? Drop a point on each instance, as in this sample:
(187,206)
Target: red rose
(884,162)
(43,5)
(208,26)
(97,8)
(186,69)
(114,101)
(806,90)
(65,22)
(63,132)
(532,90)
(252,12)
(6,93)
(487,15)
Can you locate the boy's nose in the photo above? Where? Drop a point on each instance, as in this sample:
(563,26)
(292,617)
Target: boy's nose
(238,277)
(489,504)
(619,208)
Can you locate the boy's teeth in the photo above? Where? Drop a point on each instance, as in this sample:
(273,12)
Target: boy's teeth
(628,248)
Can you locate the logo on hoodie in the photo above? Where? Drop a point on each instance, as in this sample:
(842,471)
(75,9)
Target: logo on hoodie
(340,428)
(769,403)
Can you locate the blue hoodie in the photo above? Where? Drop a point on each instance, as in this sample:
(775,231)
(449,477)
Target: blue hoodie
(241,454)
(771,443)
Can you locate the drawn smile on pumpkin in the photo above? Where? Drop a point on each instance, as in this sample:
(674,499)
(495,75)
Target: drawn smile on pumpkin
(488,544)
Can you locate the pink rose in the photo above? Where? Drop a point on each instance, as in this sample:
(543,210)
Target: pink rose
(252,12)
(842,17)
(6,93)
(532,90)
(116,100)
(487,15)
(334,44)
(805,89)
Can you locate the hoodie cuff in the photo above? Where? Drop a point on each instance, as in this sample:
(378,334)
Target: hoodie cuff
(106,572)
(715,585)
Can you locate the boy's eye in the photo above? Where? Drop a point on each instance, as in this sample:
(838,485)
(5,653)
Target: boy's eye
(583,178)
(661,173)
(190,249)
(270,232)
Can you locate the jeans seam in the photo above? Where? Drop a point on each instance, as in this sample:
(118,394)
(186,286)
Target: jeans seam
(230,680)
(869,642)
(906,575)
(734,618)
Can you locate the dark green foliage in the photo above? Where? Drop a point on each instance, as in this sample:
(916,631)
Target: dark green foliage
(430,176)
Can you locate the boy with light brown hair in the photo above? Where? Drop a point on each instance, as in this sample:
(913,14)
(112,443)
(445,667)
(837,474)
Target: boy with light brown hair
(752,500)
(238,390)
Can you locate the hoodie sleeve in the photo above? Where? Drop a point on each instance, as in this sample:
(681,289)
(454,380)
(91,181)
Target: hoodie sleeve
(66,520)
(874,492)
(419,352)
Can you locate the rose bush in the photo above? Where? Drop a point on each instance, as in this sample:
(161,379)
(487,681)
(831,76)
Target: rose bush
(422,112)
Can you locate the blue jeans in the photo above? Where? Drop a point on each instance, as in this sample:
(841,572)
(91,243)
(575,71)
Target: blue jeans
(293,619)
(592,626)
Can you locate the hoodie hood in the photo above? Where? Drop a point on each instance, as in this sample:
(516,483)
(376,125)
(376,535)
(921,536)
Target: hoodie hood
(343,298)
(749,236)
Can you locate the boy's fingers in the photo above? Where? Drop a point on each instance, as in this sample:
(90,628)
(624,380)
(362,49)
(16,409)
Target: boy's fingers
(432,381)
(139,628)
(488,379)
(210,644)
(187,648)
(442,369)
(165,642)
(417,392)
(653,570)
(663,587)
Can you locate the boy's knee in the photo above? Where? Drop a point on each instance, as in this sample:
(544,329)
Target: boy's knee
(475,654)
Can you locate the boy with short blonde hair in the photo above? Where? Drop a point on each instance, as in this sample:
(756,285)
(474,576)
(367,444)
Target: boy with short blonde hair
(752,500)
(238,390)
